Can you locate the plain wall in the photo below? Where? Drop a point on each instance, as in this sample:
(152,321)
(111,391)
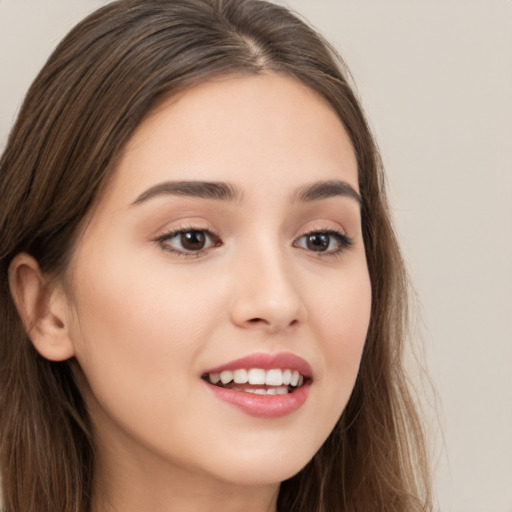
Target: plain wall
(436,79)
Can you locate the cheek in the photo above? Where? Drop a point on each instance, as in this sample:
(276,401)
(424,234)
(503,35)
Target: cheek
(348,317)
(137,340)
(342,317)
(136,333)
(138,308)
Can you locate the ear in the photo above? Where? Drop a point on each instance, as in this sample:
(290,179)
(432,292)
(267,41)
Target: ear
(44,312)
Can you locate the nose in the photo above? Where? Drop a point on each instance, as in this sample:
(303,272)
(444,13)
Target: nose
(267,295)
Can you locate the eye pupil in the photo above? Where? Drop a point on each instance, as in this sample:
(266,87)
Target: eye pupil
(193,240)
(318,242)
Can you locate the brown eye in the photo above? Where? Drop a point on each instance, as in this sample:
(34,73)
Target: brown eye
(318,242)
(189,241)
(193,240)
(324,242)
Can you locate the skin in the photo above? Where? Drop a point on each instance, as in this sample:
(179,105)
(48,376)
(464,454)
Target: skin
(145,318)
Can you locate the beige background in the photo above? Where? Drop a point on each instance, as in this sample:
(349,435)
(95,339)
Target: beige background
(436,79)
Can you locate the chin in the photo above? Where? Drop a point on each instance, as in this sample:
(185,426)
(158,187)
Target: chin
(266,469)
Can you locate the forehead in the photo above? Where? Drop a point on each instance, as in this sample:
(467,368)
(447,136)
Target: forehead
(242,130)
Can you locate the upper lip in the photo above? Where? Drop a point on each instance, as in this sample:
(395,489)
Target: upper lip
(266,361)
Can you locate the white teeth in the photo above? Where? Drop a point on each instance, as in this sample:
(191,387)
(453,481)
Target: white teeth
(226,376)
(214,377)
(281,390)
(287,377)
(256,376)
(240,376)
(274,378)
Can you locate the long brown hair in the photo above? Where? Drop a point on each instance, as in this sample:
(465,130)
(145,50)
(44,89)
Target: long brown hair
(78,115)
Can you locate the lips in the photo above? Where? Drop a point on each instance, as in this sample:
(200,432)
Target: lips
(262,385)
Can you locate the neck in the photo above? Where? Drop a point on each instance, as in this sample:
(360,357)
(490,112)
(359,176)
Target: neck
(131,482)
(176,498)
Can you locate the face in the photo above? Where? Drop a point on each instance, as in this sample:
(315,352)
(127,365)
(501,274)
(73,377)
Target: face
(227,246)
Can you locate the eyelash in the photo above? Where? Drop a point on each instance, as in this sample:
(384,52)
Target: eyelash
(163,241)
(343,241)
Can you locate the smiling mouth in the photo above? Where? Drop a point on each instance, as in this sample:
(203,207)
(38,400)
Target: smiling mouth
(258,381)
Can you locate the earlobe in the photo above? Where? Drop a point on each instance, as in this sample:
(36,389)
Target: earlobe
(43,311)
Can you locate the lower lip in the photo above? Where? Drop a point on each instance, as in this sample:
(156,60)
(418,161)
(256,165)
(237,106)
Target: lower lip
(263,406)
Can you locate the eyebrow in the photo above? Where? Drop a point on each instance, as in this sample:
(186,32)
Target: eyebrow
(227,192)
(202,189)
(325,190)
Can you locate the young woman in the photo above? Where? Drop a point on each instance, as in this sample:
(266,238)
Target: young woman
(202,300)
